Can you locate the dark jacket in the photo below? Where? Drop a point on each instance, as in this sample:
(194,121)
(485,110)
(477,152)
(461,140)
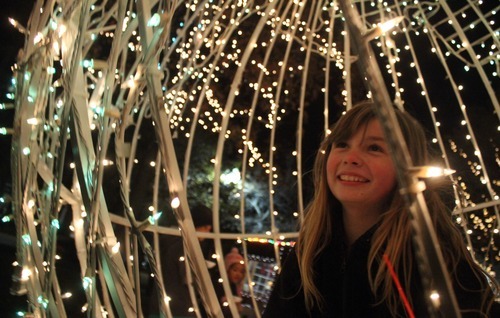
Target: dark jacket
(175,278)
(342,279)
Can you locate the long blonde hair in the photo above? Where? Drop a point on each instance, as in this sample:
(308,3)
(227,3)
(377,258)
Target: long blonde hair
(393,235)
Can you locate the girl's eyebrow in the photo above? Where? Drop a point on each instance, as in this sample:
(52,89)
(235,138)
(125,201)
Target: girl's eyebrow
(375,138)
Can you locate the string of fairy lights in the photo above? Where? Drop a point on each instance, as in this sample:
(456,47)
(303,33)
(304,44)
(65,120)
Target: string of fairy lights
(237,70)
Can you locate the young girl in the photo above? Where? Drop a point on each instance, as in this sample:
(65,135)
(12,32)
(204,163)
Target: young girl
(356,219)
(235,268)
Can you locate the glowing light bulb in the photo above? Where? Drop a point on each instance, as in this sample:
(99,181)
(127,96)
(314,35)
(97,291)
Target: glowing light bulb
(26,238)
(87,282)
(55,223)
(116,248)
(431,172)
(435,298)
(153,218)
(25,274)
(175,203)
(38,38)
(382,28)
(390,24)
(154,20)
(43,301)
(66,295)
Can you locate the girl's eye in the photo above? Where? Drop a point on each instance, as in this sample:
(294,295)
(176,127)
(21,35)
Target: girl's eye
(375,148)
(340,144)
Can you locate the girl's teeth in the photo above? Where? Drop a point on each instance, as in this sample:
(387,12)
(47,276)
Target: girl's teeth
(352,178)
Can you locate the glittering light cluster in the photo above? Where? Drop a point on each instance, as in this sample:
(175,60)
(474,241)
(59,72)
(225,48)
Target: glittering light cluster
(238,72)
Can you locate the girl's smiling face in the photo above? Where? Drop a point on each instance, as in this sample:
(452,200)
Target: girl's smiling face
(236,273)
(360,170)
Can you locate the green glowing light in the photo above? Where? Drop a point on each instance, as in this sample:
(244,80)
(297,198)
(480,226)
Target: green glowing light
(154,21)
(87,282)
(42,301)
(88,63)
(153,218)
(26,238)
(55,223)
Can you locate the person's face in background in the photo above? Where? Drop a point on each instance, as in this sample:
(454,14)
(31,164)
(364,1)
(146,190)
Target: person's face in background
(203,228)
(236,273)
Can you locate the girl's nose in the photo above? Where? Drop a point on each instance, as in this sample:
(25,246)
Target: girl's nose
(353,157)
